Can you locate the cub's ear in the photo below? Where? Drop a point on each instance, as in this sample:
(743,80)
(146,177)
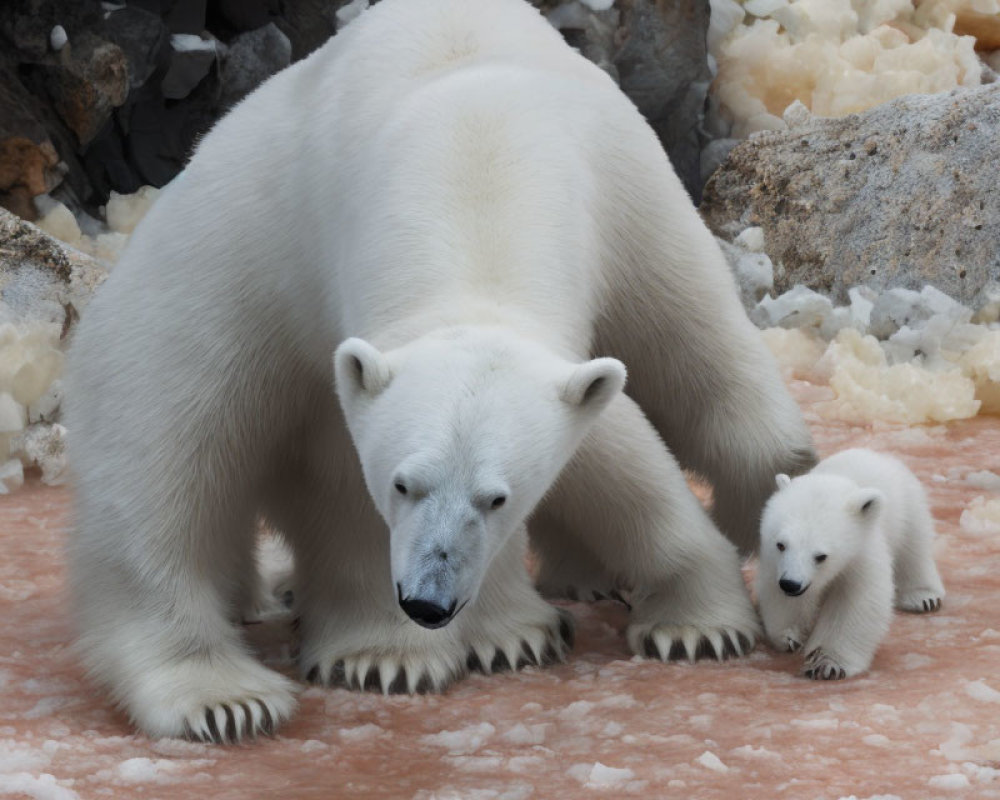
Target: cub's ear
(866,503)
(594,384)
(359,367)
(782,481)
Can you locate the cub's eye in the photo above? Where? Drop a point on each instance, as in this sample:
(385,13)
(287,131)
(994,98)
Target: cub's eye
(401,487)
(821,558)
(498,501)
(781,547)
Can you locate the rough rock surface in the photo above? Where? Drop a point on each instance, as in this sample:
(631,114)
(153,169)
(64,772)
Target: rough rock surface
(903,195)
(41,279)
(656,50)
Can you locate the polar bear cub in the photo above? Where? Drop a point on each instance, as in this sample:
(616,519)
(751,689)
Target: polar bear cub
(837,545)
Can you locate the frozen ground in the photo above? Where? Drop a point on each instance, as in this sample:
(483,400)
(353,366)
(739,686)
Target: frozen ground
(924,723)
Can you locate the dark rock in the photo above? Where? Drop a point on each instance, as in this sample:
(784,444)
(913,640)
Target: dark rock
(308,24)
(144,39)
(251,59)
(662,65)
(184,16)
(190,61)
(86,81)
(241,15)
(29,163)
(901,195)
(26,24)
(656,50)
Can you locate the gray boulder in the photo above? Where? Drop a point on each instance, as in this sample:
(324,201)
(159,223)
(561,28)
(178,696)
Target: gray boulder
(901,195)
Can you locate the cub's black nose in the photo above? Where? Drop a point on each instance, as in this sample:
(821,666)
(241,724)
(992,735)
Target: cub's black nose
(793,588)
(426,613)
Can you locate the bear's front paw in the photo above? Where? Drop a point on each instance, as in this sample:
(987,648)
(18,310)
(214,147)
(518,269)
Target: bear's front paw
(677,642)
(410,672)
(821,666)
(533,644)
(920,601)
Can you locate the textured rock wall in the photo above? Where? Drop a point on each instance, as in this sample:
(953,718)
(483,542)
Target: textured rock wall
(901,195)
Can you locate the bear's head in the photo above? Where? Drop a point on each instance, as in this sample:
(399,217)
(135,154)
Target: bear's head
(460,435)
(815,525)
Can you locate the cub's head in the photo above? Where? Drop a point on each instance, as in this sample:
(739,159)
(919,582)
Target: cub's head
(813,526)
(460,434)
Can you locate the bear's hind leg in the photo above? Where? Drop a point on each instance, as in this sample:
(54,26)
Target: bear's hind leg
(626,501)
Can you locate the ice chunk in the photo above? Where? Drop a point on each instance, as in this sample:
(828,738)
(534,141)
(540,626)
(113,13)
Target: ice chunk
(953,780)
(981,362)
(711,761)
(12,414)
(44,446)
(39,787)
(124,211)
(599,776)
(797,351)
(11,476)
(984,479)
(751,240)
(799,307)
(981,517)
(978,690)
(460,742)
(58,38)
(868,388)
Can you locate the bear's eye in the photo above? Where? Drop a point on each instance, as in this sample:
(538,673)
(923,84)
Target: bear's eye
(781,547)
(401,487)
(498,501)
(821,558)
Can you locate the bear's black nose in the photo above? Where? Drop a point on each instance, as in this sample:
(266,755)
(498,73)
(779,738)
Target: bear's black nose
(793,588)
(426,613)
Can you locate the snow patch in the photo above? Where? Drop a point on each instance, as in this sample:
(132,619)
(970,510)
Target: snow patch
(599,776)
(460,742)
(38,787)
(978,690)
(953,780)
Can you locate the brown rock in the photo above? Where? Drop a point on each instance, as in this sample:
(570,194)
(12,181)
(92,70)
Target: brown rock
(87,83)
(903,194)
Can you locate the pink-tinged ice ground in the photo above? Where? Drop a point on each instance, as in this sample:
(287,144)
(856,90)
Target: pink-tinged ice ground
(924,723)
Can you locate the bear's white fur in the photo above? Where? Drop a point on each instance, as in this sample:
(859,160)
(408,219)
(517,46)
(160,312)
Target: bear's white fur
(467,211)
(837,545)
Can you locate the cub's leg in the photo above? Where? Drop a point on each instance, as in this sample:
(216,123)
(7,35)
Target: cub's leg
(918,584)
(624,499)
(787,620)
(852,621)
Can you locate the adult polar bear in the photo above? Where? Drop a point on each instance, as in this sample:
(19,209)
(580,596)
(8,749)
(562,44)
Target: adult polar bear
(484,210)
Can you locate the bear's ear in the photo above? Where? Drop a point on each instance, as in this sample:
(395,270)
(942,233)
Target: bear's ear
(782,481)
(867,503)
(594,384)
(359,367)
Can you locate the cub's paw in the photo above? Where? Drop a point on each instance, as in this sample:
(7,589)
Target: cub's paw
(503,646)
(821,666)
(402,671)
(919,601)
(680,642)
